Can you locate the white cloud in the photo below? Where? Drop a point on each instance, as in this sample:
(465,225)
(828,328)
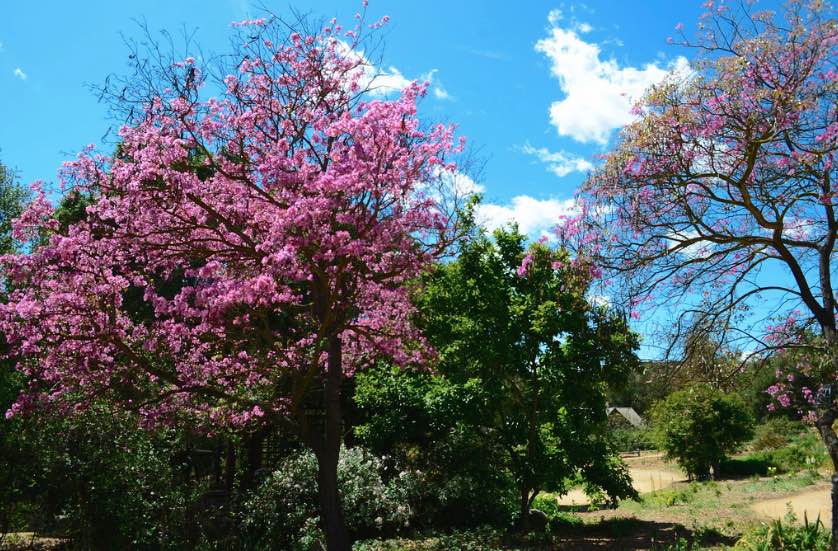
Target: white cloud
(456,183)
(18,72)
(559,163)
(680,239)
(383,82)
(441,93)
(534,216)
(598,93)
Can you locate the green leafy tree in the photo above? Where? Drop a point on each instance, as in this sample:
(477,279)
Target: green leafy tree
(434,431)
(699,426)
(13,198)
(514,321)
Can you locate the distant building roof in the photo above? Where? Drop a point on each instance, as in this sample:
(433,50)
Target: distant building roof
(631,416)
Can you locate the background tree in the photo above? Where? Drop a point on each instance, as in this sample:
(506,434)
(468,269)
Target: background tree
(699,426)
(13,198)
(434,432)
(515,321)
(718,202)
(288,212)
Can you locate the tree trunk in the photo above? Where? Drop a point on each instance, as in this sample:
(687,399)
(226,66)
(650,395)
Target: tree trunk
(327,451)
(826,419)
(524,522)
(230,467)
(834,511)
(827,409)
(253,462)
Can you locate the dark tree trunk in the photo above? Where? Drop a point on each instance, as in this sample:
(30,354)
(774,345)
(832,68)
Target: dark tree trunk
(230,467)
(253,457)
(834,511)
(824,423)
(524,522)
(827,409)
(327,450)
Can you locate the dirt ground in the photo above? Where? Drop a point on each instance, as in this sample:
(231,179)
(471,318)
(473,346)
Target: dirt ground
(722,509)
(812,503)
(649,473)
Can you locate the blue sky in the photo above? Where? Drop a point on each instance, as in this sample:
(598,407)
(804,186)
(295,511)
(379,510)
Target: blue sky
(538,87)
(491,63)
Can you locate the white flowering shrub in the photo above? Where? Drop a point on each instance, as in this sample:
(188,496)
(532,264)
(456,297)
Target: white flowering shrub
(282,512)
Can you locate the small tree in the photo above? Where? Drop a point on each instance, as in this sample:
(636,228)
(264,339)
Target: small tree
(699,426)
(514,321)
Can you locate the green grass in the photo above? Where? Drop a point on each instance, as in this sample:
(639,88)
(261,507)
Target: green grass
(698,496)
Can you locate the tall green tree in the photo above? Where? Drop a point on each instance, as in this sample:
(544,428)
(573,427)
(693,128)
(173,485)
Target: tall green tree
(514,321)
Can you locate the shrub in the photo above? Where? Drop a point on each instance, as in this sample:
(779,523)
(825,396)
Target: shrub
(776,433)
(805,450)
(96,478)
(750,465)
(282,512)
(627,439)
(811,536)
(699,426)
(479,539)
(556,517)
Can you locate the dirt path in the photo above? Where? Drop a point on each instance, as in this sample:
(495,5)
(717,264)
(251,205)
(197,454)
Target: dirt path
(812,502)
(643,479)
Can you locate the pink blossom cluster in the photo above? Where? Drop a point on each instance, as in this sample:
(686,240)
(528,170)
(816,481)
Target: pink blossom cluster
(228,239)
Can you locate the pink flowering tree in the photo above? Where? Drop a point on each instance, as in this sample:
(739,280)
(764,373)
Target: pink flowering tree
(243,253)
(718,203)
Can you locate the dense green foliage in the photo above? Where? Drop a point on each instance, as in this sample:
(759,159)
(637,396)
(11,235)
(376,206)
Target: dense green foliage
(12,199)
(97,478)
(699,426)
(800,450)
(519,386)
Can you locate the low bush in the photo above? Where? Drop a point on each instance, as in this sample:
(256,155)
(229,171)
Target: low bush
(282,512)
(480,539)
(95,478)
(627,439)
(786,535)
(804,450)
(776,433)
(556,517)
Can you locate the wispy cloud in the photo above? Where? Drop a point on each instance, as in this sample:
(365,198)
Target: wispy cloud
(18,72)
(441,93)
(559,163)
(382,81)
(488,54)
(598,93)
